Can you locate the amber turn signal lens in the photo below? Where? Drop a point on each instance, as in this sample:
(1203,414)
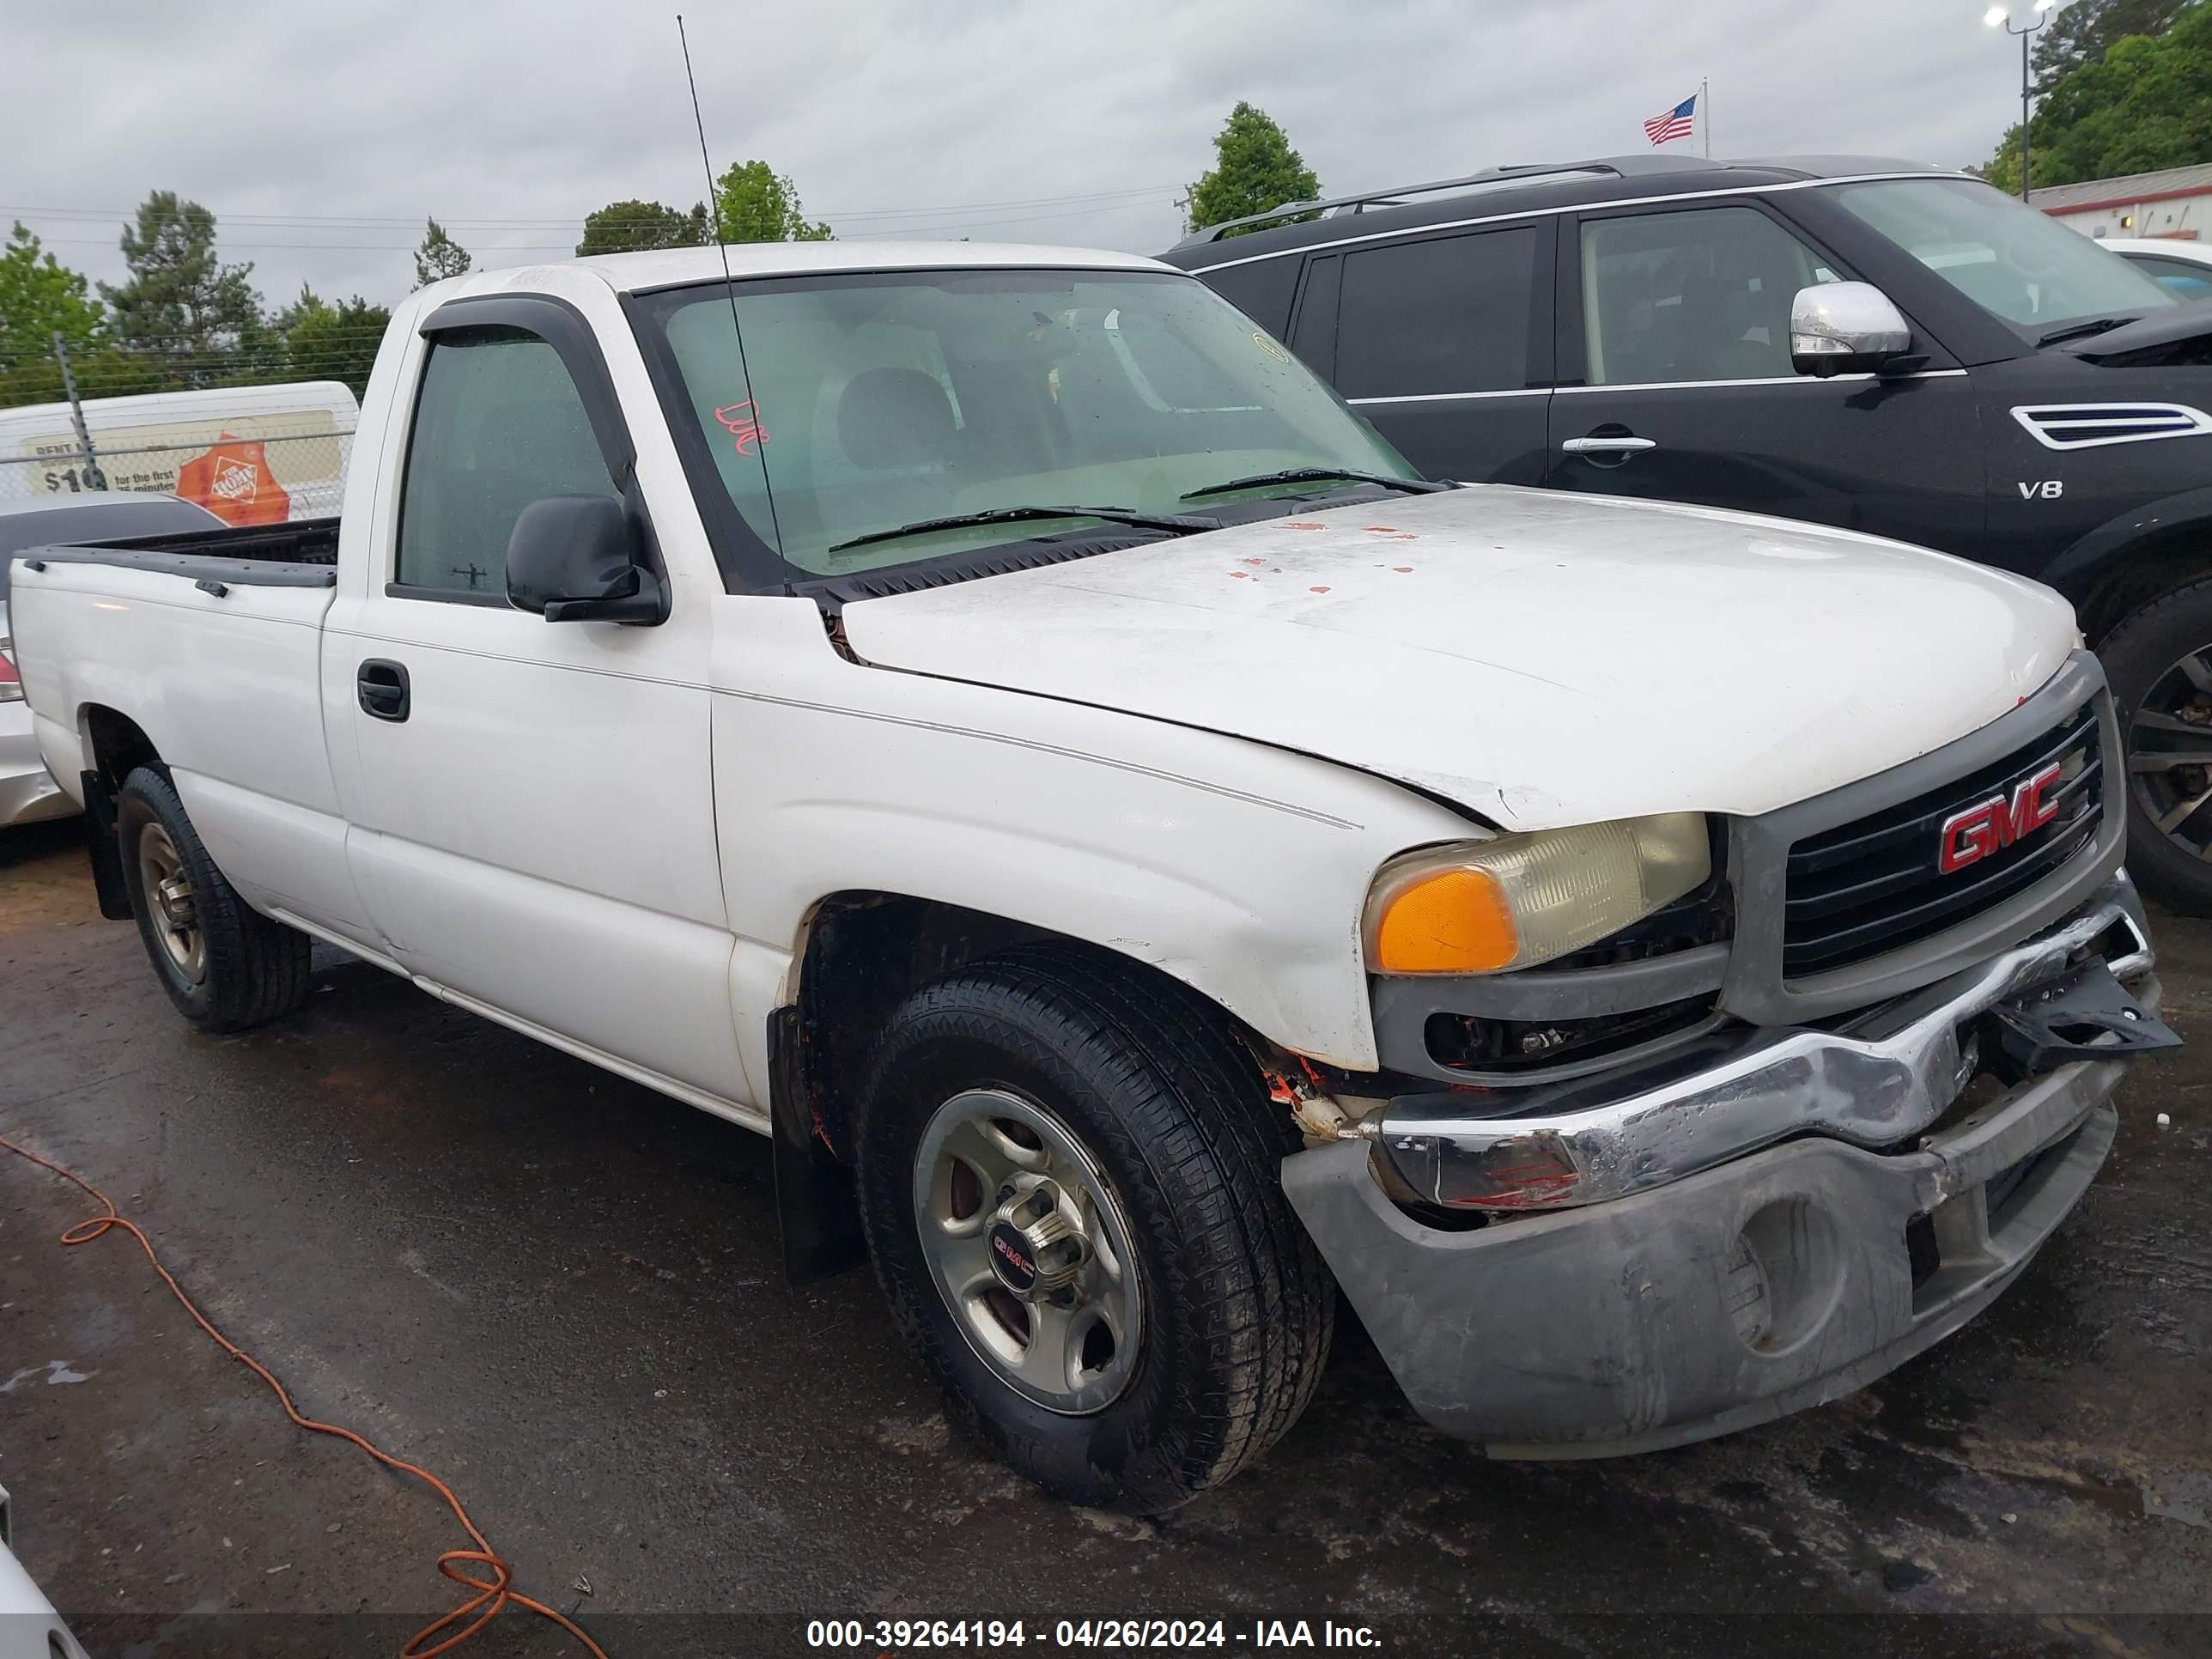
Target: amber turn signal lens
(1454,922)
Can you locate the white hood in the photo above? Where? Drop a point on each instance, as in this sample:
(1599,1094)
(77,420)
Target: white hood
(1544,659)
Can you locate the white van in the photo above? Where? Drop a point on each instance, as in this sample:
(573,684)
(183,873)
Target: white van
(260,454)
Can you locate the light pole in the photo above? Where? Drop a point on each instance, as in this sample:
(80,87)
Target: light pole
(1998,17)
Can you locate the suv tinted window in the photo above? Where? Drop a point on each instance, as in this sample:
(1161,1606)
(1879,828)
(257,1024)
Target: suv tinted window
(1698,296)
(1261,290)
(1446,315)
(498,425)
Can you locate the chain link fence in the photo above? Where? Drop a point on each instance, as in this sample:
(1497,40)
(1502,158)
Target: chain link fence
(257,478)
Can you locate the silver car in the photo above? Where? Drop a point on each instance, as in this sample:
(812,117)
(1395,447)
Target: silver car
(28,792)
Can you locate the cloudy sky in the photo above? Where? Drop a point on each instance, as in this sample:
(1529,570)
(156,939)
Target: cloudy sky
(321,134)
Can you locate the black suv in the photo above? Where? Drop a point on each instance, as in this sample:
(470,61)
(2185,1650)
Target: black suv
(1984,380)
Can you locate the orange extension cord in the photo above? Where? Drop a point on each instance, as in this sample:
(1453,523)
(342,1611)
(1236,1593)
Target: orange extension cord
(492,1594)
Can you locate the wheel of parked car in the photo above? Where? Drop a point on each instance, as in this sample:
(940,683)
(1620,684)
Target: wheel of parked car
(1069,1177)
(225,966)
(2160,661)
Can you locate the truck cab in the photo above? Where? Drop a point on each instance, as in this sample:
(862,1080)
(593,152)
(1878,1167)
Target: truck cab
(1625,327)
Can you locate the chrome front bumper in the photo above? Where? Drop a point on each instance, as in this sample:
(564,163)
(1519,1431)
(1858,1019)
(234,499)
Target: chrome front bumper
(1784,1220)
(1875,1085)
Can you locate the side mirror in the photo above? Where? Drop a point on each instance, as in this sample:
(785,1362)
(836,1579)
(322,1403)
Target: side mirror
(1845,328)
(575,558)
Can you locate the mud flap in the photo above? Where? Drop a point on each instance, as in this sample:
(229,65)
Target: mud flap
(2087,1015)
(105,851)
(817,1209)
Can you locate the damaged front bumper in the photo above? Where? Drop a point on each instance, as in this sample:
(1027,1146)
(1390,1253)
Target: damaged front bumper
(1677,1283)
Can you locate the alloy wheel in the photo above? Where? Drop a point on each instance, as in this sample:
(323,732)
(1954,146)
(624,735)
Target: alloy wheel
(1031,1249)
(2170,753)
(168,892)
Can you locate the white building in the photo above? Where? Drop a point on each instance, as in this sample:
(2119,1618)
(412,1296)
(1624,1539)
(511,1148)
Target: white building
(2175,203)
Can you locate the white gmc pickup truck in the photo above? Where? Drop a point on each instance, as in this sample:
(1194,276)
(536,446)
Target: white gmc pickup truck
(995,721)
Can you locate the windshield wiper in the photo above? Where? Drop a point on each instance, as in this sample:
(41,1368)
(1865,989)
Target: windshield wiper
(1182,524)
(2083,330)
(1315,475)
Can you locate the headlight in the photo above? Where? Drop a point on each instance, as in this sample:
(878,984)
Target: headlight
(1519,900)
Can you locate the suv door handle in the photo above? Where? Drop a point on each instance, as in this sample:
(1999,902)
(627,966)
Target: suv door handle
(1621,448)
(383,689)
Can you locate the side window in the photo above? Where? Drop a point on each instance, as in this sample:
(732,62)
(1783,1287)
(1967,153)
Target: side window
(1698,296)
(1261,290)
(1315,338)
(1447,315)
(498,425)
(2177,277)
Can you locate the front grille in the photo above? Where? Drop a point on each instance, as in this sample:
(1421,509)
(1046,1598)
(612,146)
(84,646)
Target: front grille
(1870,886)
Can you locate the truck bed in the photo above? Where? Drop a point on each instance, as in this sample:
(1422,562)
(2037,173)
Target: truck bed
(210,643)
(303,553)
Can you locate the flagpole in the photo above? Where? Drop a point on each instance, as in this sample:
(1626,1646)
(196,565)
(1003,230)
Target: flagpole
(1705,115)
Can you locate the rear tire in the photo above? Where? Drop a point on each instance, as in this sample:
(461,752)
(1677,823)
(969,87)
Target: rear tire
(1134,1106)
(2155,660)
(225,966)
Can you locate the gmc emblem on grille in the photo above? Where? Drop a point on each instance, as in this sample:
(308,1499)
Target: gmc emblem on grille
(1974,833)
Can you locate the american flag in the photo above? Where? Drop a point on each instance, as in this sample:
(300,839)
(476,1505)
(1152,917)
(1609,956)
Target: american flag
(1677,123)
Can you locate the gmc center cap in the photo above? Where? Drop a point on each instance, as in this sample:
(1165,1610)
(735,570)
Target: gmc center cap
(1011,1259)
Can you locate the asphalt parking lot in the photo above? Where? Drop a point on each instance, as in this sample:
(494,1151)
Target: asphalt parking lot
(562,1292)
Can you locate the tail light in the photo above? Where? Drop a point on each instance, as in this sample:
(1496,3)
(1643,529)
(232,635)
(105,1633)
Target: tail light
(11,682)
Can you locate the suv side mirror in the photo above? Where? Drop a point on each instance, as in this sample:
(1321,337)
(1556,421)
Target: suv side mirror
(1845,328)
(575,558)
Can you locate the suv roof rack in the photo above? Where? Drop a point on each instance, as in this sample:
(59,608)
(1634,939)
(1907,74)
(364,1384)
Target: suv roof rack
(1619,166)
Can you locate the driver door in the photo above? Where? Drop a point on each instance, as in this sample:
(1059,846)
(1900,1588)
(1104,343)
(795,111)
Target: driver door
(532,811)
(1676,384)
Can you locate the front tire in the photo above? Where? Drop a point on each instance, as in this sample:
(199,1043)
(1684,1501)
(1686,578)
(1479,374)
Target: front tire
(1069,1177)
(2158,661)
(223,964)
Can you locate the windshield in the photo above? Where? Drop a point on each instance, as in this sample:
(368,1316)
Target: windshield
(2001,254)
(884,400)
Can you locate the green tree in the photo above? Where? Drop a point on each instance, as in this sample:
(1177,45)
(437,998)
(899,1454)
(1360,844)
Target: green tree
(438,257)
(104,372)
(38,297)
(180,297)
(1255,169)
(754,204)
(630,227)
(325,342)
(2085,30)
(2145,105)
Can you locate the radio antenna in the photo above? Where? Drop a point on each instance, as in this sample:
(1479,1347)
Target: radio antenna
(730,288)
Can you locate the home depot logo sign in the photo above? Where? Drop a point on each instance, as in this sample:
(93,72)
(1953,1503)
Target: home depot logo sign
(232,480)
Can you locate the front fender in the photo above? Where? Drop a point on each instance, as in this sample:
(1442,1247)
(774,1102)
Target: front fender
(1238,869)
(2086,563)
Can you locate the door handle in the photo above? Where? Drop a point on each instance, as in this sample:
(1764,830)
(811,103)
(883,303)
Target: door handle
(1620,448)
(383,689)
